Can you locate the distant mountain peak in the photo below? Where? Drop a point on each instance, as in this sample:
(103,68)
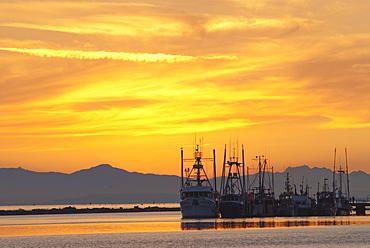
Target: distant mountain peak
(103,166)
(297,167)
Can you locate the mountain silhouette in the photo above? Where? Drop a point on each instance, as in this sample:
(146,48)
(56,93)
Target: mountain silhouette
(104,184)
(100,184)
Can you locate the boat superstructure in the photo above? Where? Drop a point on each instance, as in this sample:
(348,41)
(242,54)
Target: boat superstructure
(232,191)
(325,201)
(303,202)
(260,196)
(286,204)
(198,198)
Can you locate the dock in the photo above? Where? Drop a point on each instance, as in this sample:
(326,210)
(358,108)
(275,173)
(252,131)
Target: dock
(360,206)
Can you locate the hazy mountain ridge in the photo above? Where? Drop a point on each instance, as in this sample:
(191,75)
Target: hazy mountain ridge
(19,186)
(106,184)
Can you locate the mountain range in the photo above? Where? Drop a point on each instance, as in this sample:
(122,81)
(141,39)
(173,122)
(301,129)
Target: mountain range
(104,184)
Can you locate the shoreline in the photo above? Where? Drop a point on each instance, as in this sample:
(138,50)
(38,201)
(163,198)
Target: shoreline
(73,210)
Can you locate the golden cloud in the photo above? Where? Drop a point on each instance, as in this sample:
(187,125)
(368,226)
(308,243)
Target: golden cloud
(135,57)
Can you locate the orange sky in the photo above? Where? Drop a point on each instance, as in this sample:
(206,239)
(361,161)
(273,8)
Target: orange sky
(128,84)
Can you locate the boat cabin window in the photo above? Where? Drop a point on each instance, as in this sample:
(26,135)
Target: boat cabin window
(230,198)
(197,194)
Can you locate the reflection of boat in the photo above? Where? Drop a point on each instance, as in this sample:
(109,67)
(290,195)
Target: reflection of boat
(198,225)
(261,197)
(286,204)
(197,194)
(260,223)
(231,200)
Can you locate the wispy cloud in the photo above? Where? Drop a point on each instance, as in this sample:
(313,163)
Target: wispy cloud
(136,57)
(226,23)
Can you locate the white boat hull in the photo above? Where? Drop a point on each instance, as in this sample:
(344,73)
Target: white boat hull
(193,207)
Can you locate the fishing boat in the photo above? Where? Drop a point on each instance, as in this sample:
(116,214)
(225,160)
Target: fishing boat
(303,202)
(232,198)
(337,201)
(260,195)
(325,201)
(286,204)
(198,199)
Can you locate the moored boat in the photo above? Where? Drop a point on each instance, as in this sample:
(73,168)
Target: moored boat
(232,198)
(335,202)
(261,197)
(304,204)
(325,201)
(198,198)
(286,204)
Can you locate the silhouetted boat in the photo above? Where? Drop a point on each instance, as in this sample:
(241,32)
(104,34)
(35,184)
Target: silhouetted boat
(335,202)
(325,201)
(260,196)
(197,195)
(232,198)
(286,204)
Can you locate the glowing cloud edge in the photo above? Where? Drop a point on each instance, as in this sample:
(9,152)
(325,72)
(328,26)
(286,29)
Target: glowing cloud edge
(91,55)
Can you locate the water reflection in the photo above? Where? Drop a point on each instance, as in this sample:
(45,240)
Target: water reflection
(153,222)
(214,225)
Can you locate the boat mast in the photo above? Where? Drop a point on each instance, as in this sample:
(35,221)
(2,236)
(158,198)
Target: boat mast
(232,172)
(335,156)
(348,195)
(214,168)
(243,164)
(273,180)
(340,172)
(223,172)
(259,176)
(198,165)
(263,175)
(248,186)
(182,167)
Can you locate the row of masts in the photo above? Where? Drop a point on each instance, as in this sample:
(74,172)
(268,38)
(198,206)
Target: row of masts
(257,193)
(234,172)
(340,172)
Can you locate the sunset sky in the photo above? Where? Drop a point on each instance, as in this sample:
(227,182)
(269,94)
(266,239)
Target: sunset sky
(128,83)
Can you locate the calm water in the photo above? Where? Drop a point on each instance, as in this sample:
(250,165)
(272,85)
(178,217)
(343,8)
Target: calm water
(167,229)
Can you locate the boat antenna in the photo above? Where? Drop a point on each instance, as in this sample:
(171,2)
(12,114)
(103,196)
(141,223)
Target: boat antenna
(195,141)
(237,150)
(230,154)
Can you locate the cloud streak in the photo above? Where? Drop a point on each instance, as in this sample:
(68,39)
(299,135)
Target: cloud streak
(135,57)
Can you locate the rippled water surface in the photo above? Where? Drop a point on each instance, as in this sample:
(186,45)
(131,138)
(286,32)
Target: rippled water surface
(167,229)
